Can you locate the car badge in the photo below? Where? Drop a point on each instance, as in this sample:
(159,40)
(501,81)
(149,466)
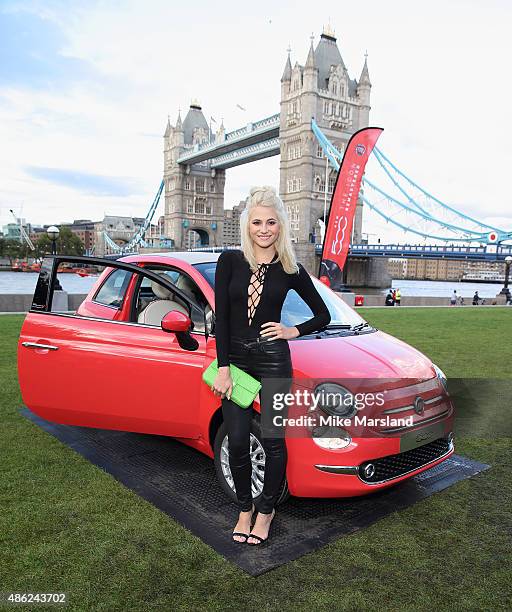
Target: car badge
(419,405)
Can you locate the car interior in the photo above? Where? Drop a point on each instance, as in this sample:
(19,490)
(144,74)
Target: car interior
(154,301)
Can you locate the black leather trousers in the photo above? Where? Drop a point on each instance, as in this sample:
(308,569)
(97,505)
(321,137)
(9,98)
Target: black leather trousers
(262,359)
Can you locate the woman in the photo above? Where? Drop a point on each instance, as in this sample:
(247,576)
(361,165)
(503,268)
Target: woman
(250,287)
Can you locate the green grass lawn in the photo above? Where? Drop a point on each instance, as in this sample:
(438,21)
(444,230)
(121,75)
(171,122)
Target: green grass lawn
(464,342)
(68,526)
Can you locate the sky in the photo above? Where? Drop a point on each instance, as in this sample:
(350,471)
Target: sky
(86,88)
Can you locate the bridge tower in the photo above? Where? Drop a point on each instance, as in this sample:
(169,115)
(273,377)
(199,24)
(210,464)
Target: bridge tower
(322,89)
(194,194)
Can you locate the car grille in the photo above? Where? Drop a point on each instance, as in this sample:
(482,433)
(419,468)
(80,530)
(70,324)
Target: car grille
(394,466)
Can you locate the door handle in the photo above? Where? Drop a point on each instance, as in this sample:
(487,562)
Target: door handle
(38,345)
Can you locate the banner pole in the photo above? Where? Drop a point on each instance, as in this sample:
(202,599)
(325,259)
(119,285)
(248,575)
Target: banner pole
(325,188)
(343,206)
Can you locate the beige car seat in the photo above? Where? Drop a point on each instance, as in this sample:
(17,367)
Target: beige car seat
(157,309)
(187,286)
(190,288)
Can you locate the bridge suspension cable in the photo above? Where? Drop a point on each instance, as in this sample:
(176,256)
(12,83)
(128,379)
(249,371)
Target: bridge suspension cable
(434,203)
(421,217)
(138,237)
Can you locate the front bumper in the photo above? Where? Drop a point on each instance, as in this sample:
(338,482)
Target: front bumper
(309,475)
(389,468)
(392,453)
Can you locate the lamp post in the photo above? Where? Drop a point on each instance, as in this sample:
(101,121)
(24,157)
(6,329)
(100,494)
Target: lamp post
(508,262)
(53,234)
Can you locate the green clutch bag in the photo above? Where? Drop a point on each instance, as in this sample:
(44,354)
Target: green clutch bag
(245,387)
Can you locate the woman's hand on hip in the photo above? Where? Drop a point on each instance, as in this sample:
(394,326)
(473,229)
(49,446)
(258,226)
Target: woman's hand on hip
(223,383)
(275,331)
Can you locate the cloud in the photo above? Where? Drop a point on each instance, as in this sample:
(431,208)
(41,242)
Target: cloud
(89,184)
(89,84)
(31,50)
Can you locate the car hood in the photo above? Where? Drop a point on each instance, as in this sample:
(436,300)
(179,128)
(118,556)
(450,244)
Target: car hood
(368,355)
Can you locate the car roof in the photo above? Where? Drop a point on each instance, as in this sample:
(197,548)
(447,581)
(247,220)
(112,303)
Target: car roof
(191,257)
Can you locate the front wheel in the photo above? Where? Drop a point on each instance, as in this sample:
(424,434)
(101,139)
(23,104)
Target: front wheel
(223,471)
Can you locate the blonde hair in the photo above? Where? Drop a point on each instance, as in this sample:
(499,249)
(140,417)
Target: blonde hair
(267,196)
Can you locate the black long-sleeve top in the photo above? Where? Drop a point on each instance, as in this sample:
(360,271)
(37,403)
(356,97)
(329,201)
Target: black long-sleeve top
(232,277)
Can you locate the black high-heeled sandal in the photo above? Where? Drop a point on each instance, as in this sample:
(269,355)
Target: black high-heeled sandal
(241,533)
(257,537)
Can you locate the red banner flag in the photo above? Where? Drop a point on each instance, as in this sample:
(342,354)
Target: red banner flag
(343,205)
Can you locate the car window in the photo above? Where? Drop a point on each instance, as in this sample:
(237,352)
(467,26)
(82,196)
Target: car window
(72,283)
(113,290)
(152,302)
(295,310)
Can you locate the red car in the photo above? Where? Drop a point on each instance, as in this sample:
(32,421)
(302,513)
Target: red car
(132,355)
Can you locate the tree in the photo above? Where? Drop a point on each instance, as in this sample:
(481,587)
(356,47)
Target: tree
(68,243)
(12,250)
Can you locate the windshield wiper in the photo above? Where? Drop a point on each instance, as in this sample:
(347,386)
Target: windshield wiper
(338,326)
(359,326)
(335,329)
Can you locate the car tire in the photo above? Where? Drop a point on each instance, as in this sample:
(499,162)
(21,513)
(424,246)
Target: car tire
(223,471)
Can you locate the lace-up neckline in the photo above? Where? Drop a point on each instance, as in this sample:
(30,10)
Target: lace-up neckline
(255,288)
(232,276)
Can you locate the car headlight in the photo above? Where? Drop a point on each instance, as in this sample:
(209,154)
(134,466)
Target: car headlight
(335,400)
(441,376)
(331,438)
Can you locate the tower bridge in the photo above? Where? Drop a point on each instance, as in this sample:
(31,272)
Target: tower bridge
(321,106)
(196,159)
(241,145)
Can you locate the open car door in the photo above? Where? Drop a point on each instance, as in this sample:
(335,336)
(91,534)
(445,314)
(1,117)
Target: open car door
(96,370)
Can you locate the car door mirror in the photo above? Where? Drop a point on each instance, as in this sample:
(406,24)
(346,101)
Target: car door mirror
(179,323)
(176,321)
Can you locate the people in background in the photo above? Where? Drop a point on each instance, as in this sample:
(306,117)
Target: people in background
(398,296)
(389,299)
(476,299)
(453,299)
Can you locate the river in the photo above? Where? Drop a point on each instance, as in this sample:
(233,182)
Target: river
(25,282)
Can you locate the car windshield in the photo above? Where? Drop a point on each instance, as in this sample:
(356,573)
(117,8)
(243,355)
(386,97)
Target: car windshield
(295,310)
